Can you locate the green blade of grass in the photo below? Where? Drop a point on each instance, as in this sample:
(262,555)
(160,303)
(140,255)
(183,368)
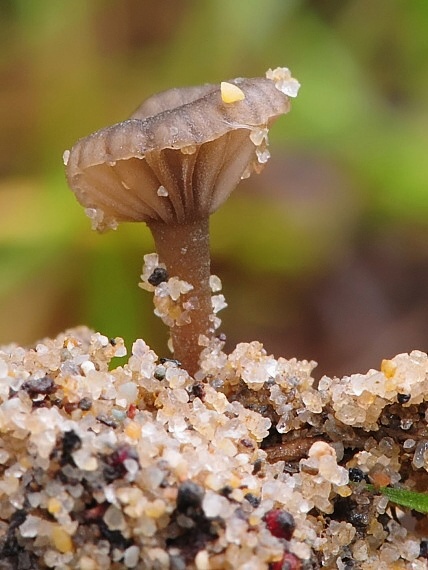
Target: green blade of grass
(410,499)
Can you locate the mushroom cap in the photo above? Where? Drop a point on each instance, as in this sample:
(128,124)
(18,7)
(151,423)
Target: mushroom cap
(179,155)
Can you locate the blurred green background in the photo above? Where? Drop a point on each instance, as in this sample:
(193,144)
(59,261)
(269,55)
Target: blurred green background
(323,256)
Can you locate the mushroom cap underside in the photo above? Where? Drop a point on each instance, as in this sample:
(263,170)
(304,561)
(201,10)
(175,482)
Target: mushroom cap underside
(179,155)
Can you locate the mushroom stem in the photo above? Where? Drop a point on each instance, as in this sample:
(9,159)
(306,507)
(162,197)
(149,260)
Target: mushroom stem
(184,249)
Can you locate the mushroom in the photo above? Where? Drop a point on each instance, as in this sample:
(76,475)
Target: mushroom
(171,165)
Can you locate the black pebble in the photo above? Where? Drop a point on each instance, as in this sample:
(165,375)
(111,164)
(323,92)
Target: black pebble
(189,495)
(85,404)
(158,276)
(423,549)
(253,500)
(356,475)
(35,386)
(403,398)
(198,390)
(70,442)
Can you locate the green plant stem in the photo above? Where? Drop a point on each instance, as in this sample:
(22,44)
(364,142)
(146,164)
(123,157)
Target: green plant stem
(184,249)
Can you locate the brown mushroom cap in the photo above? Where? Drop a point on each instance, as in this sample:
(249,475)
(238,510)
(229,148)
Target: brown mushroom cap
(178,157)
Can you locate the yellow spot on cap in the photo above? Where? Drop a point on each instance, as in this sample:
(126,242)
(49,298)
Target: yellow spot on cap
(230,93)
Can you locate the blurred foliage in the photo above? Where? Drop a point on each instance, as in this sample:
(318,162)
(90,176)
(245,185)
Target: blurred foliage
(335,229)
